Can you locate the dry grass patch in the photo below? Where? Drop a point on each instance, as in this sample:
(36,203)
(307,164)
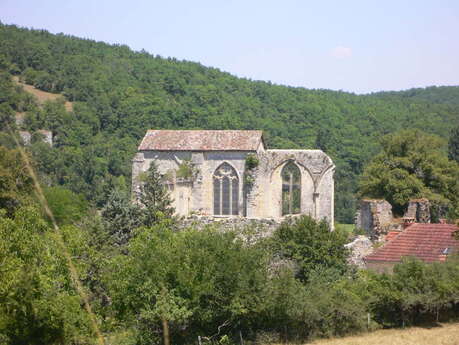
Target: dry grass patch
(43,96)
(447,334)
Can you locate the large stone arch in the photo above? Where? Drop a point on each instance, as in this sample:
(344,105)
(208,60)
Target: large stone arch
(275,190)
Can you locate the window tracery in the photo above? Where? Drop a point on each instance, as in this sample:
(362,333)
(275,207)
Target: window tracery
(226,190)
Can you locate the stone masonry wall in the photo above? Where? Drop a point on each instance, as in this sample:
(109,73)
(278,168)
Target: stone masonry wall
(419,210)
(375,217)
(258,228)
(317,184)
(262,199)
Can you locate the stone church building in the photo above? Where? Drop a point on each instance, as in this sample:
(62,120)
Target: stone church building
(230,173)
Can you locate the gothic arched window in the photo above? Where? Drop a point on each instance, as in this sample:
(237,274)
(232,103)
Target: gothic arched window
(291,189)
(226,191)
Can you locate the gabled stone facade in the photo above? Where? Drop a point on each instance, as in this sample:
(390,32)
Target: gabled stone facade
(222,184)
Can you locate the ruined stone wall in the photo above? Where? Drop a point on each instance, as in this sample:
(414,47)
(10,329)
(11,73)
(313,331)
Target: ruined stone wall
(212,160)
(317,184)
(166,162)
(262,198)
(193,195)
(419,210)
(47,136)
(26,137)
(258,228)
(375,217)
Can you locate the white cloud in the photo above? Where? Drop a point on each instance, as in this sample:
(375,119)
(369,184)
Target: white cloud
(340,52)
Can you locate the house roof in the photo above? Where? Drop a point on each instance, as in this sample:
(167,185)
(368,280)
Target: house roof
(428,242)
(201,140)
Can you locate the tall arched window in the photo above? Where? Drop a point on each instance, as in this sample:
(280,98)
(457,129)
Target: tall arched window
(226,191)
(291,189)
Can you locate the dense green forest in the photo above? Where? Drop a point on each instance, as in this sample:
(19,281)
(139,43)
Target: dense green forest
(118,94)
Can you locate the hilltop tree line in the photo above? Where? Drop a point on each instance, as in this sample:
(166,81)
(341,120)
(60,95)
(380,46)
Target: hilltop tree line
(118,94)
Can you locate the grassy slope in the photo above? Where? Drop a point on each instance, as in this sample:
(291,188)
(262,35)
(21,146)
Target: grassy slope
(42,96)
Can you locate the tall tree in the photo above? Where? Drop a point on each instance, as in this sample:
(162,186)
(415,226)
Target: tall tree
(412,164)
(154,197)
(179,283)
(453,145)
(121,216)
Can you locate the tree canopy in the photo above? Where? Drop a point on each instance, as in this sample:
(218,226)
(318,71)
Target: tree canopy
(412,164)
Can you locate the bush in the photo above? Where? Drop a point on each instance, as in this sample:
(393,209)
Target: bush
(415,293)
(66,206)
(312,245)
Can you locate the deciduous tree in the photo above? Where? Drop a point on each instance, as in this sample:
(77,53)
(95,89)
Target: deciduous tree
(412,164)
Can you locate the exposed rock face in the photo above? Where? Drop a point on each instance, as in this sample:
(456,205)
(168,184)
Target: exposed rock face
(26,137)
(419,210)
(46,136)
(375,217)
(360,247)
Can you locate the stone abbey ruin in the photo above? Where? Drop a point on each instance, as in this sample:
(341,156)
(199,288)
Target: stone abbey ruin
(230,173)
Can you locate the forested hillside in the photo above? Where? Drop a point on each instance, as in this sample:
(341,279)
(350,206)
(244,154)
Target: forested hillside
(118,94)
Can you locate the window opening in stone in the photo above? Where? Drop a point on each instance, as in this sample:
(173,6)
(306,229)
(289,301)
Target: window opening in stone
(226,191)
(291,189)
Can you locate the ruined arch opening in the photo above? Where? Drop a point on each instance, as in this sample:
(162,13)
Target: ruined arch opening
(291,189)
(226,191)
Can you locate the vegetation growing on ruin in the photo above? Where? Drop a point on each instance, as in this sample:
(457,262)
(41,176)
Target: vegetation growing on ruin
(186,170)
(251,163)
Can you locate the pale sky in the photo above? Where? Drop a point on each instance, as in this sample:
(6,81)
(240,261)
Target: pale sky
(358,46)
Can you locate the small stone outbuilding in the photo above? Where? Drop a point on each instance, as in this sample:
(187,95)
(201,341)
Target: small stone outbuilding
(229,173)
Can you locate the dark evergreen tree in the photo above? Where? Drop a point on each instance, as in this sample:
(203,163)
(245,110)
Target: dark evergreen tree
(154,197)
(121,216)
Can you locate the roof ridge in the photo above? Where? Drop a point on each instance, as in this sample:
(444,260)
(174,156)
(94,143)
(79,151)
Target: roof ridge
(202,140)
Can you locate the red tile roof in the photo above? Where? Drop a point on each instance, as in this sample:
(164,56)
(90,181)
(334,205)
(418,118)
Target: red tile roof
(201,140)
(424,241)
